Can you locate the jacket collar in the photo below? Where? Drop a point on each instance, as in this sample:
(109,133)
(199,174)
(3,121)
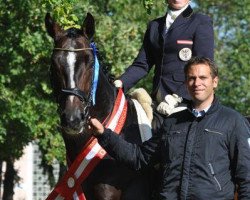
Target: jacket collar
(187,12)
(162,25)
(182,18)
(213,108)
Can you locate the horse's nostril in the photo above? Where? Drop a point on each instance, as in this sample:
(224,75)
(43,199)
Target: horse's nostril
(74,122)
(71,119)
(63,119)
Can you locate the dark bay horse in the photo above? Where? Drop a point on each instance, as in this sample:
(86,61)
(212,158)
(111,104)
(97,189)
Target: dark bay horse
(72,79)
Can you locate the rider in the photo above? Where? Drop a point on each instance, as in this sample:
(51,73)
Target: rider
(169,42)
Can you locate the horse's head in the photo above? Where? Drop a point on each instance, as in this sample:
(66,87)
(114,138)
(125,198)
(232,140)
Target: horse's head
(71,71)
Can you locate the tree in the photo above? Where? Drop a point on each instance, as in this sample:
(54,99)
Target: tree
(231,24)
(24,93)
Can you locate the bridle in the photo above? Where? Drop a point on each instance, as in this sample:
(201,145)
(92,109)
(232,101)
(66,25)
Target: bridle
(73,50)
(84,98)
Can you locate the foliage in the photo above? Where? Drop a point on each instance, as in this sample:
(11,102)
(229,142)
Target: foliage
(148,5)
(63,12)
(231,25)
(25,94)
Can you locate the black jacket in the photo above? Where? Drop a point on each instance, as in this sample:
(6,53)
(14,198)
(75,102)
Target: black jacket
(201,158)
(162,51)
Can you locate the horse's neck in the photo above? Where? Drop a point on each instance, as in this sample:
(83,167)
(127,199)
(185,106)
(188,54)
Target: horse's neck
(105,97)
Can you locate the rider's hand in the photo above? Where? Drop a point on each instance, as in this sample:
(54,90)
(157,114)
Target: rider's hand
(173,100)
(167,107)
(164,108)
(118,83)
(94,127)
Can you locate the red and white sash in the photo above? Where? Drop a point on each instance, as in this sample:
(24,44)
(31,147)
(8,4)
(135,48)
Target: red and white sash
(69,186)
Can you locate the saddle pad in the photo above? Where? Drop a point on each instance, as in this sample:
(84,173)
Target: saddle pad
(143,122)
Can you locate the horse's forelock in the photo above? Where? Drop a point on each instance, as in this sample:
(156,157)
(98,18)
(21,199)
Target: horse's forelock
(73,32)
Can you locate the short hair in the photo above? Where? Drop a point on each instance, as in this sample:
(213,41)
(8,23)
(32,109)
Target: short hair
(202,60)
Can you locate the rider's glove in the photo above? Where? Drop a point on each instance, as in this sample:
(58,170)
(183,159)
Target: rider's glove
(167,106)
(118,83)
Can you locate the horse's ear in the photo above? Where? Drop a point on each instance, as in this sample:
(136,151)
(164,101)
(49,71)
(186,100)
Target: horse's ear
(88,27)
(52,27)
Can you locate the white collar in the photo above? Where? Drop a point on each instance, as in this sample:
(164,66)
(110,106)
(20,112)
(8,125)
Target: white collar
(176,13)
(201,113)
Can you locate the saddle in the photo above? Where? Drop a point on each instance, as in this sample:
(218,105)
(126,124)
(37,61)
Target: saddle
(144,99)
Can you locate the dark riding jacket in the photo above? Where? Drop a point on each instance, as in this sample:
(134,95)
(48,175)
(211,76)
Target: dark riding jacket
(201,158)
(161,49)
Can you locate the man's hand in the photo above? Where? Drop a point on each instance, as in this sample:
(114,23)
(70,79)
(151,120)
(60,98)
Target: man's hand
(94,127)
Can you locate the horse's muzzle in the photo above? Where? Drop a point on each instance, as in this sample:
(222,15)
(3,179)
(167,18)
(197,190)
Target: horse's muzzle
(72,121)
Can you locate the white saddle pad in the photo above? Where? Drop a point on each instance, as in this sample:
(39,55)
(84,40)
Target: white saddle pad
(143,122)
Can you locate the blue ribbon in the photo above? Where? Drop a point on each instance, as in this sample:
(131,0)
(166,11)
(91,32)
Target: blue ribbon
(96,73)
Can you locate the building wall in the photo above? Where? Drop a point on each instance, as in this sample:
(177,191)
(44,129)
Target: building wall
(33,183)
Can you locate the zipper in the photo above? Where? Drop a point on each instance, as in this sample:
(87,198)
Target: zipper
(211,131)
(178,132)
(213,174)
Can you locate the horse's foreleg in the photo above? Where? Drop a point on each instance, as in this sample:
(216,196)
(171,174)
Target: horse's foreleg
(106,192)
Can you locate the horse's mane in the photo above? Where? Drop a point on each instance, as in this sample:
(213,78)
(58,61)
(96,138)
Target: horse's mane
(73,32)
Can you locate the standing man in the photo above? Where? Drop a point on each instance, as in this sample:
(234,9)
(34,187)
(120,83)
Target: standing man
(169,42)
(204,151)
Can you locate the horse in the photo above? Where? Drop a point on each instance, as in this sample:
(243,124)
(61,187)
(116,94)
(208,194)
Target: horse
(71,74)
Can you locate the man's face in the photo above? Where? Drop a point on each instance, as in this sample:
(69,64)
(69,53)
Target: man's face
(177,4)
(201,84)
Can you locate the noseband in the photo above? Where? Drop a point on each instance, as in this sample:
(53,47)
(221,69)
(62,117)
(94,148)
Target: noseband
(76,91)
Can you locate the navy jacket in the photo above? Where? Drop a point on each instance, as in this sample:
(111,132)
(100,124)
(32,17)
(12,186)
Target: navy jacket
(201,158)
(162,49)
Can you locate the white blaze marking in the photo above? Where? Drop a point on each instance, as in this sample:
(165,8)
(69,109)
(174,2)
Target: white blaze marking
(248,141)
(71,60)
